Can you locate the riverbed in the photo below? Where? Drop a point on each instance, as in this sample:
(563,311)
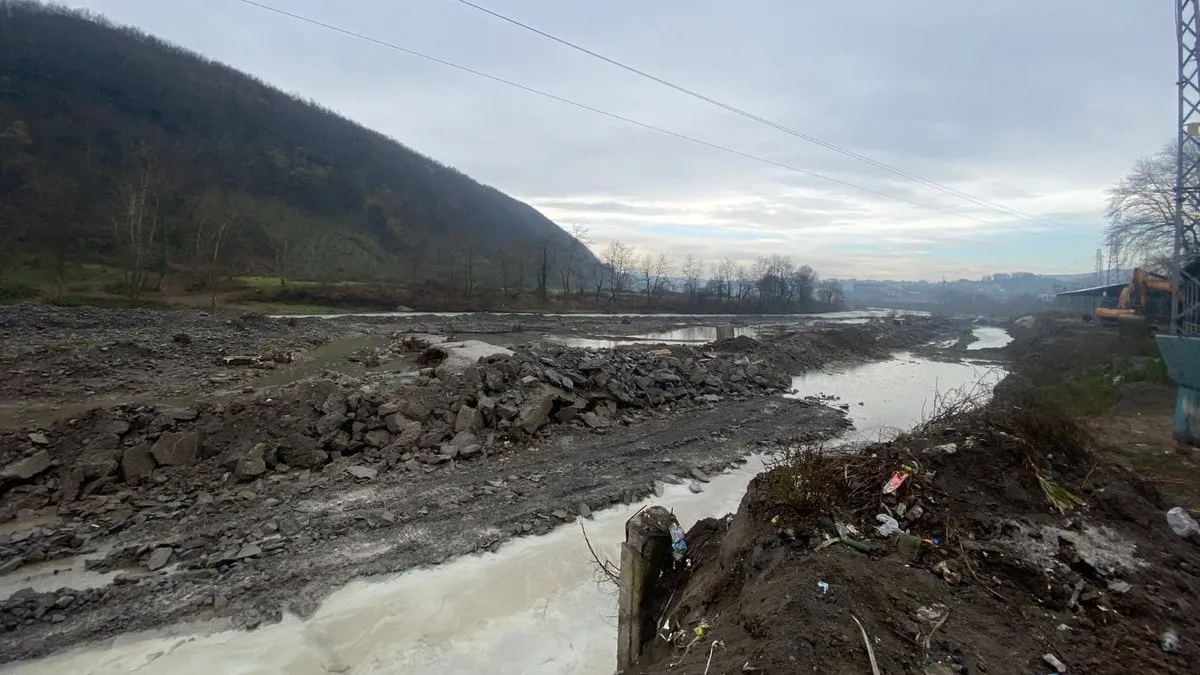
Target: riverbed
(534,606)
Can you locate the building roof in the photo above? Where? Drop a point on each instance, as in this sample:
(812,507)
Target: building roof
(1105,291)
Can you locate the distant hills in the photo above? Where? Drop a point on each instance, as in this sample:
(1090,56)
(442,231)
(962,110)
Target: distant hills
(119,148)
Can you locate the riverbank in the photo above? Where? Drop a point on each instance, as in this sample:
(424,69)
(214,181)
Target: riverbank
(1029,544)
(240,508)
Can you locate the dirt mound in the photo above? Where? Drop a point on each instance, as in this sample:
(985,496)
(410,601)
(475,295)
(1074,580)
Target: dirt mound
(989,576)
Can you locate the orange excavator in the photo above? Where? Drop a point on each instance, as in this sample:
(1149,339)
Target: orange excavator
(1146,298)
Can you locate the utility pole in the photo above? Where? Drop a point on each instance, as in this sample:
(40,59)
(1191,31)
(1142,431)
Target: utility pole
(1181,349)
(1187,164)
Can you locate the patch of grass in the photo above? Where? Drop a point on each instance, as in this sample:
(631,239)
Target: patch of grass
(270,308)
(113,302)
(274,282)
(1093,389)
(15,291)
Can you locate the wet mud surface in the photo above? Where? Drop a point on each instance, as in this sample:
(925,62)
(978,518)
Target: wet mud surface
(244,505)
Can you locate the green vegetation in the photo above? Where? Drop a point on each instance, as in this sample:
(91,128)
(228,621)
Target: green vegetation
(1094,388)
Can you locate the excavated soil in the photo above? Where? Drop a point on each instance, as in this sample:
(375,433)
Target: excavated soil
(1002,579)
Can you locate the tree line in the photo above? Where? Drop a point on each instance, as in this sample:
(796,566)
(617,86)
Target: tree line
(622,274)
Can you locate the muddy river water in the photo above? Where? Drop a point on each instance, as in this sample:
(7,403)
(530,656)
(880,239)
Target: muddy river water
(535,606)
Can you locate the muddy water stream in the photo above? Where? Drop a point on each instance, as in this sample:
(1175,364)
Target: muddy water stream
(989,337)
(533,607)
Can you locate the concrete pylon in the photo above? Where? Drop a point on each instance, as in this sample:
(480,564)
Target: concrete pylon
(645,553)
(1181,353)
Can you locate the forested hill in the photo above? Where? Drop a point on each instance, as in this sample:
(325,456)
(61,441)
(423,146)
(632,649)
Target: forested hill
(117,147)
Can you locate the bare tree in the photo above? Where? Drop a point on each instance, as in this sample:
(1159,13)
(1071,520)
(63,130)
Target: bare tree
(135,226)
(545,258)
(218,218)
(663,268)
(512,269)
(599,277)
(745,282)
(470,259)
(620,259)
(803,283)
(576,244)
(646,270)
(830,292)
(655,272)
(1141,208)
(728,270)
(693,267)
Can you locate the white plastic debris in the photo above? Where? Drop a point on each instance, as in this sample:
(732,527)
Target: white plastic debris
(1182,523)
(1170,641)
(888,525)
(1053,662)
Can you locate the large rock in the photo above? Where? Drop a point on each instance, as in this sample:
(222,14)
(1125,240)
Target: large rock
(98,467)
(408,435)
(468,419)
(417,409)
(176,449)
(362,472)
(494,379)
(72,483)
(159,558)
(394,422)
(26,468)
(334,404)
(329,423)
(536,413)
(301,452)
(464,439)
(665,376)
(136,463)
(379,438)
(252,465)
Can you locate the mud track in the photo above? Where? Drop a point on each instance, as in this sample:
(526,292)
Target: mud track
(333,529)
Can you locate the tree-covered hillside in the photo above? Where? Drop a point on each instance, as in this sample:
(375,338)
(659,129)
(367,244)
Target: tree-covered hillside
(121,149)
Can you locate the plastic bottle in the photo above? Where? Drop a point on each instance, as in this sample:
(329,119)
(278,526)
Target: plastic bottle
(1182,523)
(678,545)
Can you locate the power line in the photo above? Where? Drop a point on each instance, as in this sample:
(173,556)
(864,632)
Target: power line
(978,201)
(605,113)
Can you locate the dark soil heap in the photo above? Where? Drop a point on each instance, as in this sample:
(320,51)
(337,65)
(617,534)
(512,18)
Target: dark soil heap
(991,578)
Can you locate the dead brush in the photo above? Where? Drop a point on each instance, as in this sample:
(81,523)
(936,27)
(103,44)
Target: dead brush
(806,480)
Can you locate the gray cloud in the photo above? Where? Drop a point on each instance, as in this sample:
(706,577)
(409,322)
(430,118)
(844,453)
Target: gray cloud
(1036,105)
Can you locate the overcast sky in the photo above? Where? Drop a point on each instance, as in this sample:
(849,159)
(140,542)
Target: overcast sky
(1037,105)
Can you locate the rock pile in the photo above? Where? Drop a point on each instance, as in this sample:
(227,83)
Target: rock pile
(448,414)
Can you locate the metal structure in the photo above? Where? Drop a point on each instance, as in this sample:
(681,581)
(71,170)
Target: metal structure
(1185,314)
(1114,263)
